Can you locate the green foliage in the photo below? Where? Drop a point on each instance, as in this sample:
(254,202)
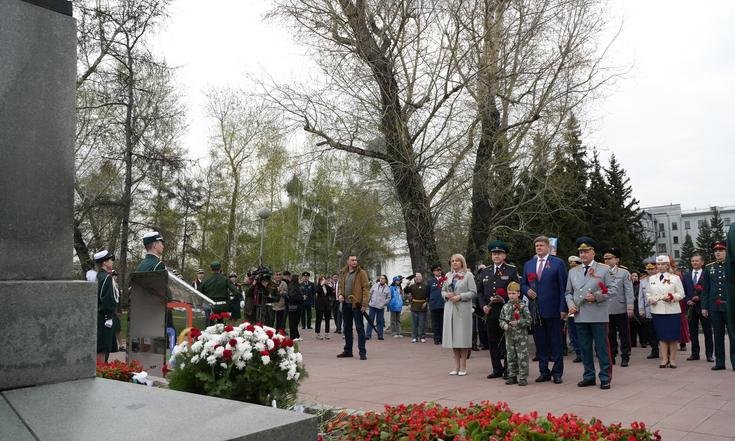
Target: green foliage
(687,251)
(717,225)
(704,240)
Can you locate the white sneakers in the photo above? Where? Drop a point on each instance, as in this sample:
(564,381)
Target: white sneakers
(423,340)
(458,373)
(453,373)
(413,340)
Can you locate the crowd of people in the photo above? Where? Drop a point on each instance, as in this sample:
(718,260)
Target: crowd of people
(601,309)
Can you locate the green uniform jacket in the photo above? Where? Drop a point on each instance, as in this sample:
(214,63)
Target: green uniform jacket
(714,297)
(151,263)
(106,303)
(419,296)
(218,287)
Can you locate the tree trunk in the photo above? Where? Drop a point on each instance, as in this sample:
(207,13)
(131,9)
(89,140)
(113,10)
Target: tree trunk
(127,199)
(184,239)
(485,177)
(231,222)
(81,249)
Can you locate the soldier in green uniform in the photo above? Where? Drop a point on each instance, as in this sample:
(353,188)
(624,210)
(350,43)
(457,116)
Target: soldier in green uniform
(492,284)
(108,296)
(515,319)
(153,243)
(714,305)
(219,288)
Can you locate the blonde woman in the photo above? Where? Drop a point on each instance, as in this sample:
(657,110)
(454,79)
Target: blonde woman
(664,292)
(458,290)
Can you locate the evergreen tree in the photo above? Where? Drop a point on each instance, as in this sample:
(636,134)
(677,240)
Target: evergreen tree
(704,239)
(596,205)
(622,225)
(687,251)
(717,225)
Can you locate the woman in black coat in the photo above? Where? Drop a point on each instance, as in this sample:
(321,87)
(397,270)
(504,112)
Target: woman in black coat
(324,296)
(294,299)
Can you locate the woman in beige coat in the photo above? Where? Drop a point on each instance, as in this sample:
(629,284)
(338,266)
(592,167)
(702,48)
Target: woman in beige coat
(663,294)
(459,289)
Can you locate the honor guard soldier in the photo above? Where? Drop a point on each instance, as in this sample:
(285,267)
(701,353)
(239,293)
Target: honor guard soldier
(108,297)
(153,243)
(219,288)
(619,306)
(714,305)
(493,281)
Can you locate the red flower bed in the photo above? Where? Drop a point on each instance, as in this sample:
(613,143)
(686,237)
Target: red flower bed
(118,370)
(484,421)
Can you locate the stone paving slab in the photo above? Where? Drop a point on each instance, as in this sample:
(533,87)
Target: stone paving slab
(688,403)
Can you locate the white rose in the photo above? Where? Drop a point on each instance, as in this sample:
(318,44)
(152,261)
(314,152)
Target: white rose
(265,359)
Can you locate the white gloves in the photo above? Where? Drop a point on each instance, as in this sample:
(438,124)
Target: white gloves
(108,323)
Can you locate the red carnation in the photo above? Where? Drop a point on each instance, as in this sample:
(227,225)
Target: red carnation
(225,315)
(532,277)
(288,343)
(217,345)
(698,288)
(194,333)
(165,370)
(276,343)
(670,296)
(269,333)
(516,315)
(214,317)
(259,324)
(264,353)
(233,342)
(440,281)
(282,332)
(501,292)
(250,328)
(603,288)
(718,302)
(229,328)
(227,355)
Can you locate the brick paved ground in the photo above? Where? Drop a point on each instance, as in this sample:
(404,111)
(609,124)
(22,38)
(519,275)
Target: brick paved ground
(689,403)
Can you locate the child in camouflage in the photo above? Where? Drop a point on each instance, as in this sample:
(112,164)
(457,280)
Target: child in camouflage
(515,320)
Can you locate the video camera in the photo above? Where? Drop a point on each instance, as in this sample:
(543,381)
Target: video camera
(260,273)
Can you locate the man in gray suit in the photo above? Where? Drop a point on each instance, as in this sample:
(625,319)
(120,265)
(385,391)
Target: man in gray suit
(620,307)
(589,286)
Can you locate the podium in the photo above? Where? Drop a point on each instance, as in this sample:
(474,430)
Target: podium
(152,294)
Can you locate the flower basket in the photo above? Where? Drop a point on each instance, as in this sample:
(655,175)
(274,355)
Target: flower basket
(118,370)
(250,363)
(484,421)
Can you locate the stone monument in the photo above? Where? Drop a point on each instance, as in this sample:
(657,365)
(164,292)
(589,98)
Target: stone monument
(48,389)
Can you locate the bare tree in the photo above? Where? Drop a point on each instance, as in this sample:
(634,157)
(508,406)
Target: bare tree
(390,92)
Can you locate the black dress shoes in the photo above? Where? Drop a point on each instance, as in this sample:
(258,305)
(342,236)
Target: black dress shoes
(586,383)
(718,368)
(344,355)
(693,357)
(604,386)
(557,380)
(363,357)
(495,375)
(510,381)
(652,356)
(624,363)
(543,378)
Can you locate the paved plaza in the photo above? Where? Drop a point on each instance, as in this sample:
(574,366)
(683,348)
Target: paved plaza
(689,403)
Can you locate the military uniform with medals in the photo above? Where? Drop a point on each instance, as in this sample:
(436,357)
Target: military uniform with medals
(619,306)
(714,300)
(493,282)
(108,297)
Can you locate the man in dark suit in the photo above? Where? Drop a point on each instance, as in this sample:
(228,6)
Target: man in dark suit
(693,289)
(544,283)
(492,285)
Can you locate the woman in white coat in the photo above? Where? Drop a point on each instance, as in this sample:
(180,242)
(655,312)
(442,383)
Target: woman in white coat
(663,293)
(458,290)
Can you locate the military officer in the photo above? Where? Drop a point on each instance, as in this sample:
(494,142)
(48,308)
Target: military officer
(589,286)
(493,281)
(219,288)
(153,243)
(620,307)
(645,308)
(714,305)
(108,297)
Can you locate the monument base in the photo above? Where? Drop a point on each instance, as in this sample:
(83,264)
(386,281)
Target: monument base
(97,408)
(48,332)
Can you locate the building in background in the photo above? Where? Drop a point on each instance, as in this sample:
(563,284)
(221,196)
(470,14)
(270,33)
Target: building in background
(668,225)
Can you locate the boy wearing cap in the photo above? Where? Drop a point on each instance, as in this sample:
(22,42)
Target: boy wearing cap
(108,297)
(436,302)
(714,305)
(153,243)
(515,319)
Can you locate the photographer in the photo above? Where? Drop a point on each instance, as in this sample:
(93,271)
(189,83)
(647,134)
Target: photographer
(235,299)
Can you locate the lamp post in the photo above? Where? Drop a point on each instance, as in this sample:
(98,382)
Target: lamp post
(263,214)
(339,259)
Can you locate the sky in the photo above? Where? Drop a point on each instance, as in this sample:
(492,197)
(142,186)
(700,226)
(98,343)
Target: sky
(669,121)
